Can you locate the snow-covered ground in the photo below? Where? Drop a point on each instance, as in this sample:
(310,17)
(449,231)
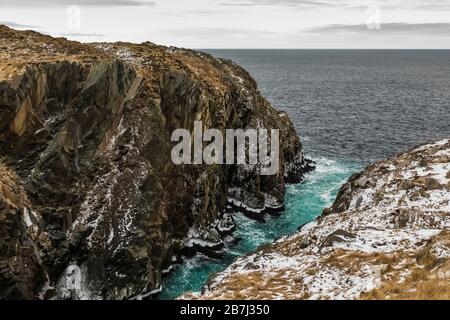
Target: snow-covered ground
(384,222)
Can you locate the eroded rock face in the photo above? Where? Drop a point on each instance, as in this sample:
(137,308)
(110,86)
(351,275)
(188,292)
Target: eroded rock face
(87,130)
(385,237)
(23,243)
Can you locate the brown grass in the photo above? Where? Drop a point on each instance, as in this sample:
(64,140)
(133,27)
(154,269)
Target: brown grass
(418,286)
(429,278)
(258,285)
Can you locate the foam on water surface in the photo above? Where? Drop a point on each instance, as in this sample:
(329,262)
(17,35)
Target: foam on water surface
(304,202)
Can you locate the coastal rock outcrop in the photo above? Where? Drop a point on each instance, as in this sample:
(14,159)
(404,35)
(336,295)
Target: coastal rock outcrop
(85,135)
(23,242)
(387,236)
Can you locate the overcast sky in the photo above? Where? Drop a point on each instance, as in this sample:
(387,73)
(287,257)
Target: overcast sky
(240,23)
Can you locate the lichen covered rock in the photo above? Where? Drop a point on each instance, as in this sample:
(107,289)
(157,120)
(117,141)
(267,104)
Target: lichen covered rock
(87,129)
(23,241)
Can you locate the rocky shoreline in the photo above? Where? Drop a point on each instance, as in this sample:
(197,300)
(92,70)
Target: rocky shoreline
(92,207)
(85,134)
(387,236)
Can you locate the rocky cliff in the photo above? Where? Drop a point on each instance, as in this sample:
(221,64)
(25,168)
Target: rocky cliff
(88,189)
(387,236)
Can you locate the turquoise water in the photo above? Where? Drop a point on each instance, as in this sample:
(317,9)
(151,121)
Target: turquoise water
(304,202)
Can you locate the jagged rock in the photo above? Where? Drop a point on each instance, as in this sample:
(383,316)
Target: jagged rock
(23,243)
(385,237)
(338,236)
(87,128)
(226,225)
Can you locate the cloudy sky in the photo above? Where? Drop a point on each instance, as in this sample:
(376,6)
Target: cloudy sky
(240,23)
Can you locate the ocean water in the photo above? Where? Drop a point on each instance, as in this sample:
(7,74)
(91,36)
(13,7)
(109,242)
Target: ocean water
(350,108)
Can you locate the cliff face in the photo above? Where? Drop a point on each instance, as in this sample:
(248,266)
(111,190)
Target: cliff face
(85,137)
(387,236)
(21,239)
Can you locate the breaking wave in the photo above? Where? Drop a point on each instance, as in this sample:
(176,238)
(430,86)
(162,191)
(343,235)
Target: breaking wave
(304,202)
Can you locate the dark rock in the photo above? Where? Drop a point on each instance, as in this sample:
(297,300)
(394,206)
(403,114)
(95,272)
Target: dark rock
(337,236)
(87,128)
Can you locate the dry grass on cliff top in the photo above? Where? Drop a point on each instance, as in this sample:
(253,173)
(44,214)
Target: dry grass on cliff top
(423,276)
(416,287)
(21,48)
(152,60)
(257,285)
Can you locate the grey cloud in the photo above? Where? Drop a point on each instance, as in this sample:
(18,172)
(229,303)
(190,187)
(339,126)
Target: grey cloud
(17,25)
(387,28)
(414,4)
(59,3)
(213,33)
(97,35)
(433,6)
(282,3)
(187,13)
(350,4)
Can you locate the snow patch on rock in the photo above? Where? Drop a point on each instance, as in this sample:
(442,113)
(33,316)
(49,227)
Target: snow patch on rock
(386,215)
